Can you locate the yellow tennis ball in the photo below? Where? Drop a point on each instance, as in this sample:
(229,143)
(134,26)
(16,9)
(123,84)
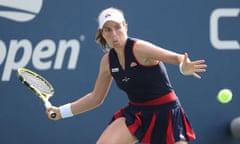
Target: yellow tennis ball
(224,96)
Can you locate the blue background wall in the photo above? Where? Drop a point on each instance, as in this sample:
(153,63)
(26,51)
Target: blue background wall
(181,26)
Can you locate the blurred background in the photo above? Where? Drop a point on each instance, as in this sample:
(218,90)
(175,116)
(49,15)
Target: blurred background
(57,40)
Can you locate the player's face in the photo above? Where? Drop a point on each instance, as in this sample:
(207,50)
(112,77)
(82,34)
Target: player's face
(115,34)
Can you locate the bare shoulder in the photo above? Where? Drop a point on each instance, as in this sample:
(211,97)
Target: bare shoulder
(144,52)
(145,47)
(143,43)
(104,65)
(105,59)
(151,52)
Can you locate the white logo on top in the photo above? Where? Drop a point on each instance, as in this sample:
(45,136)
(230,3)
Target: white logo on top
(115,70)
(20,10)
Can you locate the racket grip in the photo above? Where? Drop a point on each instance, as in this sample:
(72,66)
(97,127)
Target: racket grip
(53,114)
(48,105)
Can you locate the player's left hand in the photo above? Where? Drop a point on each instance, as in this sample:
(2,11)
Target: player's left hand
(193,67)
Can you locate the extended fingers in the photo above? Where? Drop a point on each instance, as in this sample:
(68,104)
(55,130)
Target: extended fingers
(194,67)
(201,67)
(197,62)
(199,70)
(196,75)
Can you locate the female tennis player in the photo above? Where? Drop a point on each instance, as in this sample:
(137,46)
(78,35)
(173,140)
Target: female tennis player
(154,114)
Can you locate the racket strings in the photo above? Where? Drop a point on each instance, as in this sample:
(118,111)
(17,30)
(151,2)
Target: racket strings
(36,82)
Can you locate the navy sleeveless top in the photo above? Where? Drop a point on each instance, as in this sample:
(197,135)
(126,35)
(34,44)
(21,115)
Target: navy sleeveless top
(141,83)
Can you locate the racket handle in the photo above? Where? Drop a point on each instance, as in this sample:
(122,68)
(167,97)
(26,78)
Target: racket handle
(48,105)
(53,114)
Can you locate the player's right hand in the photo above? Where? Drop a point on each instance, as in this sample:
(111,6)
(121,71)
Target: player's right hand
(54,109)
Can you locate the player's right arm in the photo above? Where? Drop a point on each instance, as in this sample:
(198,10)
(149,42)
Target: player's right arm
(94,98)
(101,88)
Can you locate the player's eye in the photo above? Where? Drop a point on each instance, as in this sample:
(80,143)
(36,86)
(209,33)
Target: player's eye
(117,27)
(106,30)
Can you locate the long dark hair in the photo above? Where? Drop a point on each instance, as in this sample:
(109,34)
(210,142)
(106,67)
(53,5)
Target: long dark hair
(100,40)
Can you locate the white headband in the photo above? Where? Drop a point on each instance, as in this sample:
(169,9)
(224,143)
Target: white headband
(110,14)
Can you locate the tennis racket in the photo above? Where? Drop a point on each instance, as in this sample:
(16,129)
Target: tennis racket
(39,85)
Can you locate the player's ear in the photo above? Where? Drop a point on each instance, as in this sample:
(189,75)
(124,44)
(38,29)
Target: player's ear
(126,26)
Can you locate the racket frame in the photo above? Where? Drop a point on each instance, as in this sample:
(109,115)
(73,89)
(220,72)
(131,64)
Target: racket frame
(43,96)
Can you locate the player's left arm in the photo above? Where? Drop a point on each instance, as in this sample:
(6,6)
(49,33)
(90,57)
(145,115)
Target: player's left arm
(148,53)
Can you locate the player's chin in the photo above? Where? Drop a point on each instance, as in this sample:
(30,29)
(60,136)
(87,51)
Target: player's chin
(116,44)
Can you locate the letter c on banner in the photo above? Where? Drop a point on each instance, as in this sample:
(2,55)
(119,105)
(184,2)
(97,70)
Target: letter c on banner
(214,30)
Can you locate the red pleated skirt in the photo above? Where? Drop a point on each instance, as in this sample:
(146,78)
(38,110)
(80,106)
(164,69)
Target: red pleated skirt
(159,121)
